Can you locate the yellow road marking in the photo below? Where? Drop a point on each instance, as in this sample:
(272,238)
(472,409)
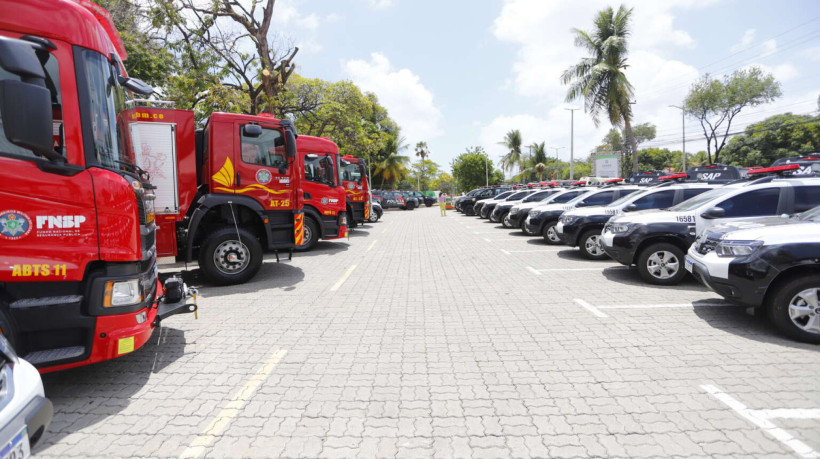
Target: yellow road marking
(371,245)
(343,278)
(384,230)
(200,444)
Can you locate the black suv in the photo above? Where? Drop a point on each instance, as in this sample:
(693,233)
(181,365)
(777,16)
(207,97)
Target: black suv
(423,198)
(773,263)
(480,195)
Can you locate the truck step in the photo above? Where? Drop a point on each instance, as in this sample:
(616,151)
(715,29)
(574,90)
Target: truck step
(53,355)
(45,301)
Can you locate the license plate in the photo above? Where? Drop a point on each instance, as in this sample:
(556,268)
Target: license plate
(688,265)
(18,447)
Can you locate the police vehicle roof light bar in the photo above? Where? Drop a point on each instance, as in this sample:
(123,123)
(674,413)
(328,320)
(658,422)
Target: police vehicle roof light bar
(776,169)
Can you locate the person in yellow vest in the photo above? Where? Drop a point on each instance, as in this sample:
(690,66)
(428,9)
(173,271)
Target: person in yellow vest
(442,203)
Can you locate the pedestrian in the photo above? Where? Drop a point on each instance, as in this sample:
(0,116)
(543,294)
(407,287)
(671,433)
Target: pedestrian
(442,203)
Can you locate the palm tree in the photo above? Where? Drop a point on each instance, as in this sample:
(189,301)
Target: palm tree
(394,166)
(539,152)
(599,79)
(540,168)
(423,152)
(513,143)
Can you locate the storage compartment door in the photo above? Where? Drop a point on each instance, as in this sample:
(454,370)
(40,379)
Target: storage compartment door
(155,150)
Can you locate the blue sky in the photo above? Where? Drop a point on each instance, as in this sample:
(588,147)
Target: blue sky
(463,73)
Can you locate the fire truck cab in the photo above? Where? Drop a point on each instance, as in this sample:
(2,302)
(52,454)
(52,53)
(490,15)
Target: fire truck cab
(324,205)
(357,188)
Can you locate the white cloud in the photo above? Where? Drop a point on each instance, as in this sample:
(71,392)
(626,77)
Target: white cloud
(746,40)
(769,47)
(381,4)
(407,100)
(781,72)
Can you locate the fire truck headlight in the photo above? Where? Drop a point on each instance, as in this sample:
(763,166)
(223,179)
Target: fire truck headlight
(149,207)
(343,219)
(122,293)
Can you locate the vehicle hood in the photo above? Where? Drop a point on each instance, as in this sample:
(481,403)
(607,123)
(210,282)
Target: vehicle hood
(587,211)
(554,207)
(651,216)
(777,234)
(756,222)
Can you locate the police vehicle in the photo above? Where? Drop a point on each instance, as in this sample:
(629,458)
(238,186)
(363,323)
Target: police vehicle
(457,202)
(582,227)
(772,264)
(656,240)
(490,207)
(468,205)
(479,207)
(543,219)
(517,215)
(501,213)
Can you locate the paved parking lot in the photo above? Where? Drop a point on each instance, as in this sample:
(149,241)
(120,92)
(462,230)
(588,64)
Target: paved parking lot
(447,337)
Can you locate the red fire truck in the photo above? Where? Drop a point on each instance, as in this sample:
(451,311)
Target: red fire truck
(324,196)
(354,178)
(225,193)
(78,275)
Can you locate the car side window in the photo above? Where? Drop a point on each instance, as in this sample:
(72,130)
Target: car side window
(264,150)
(752,204)
(600,199)
(659,200)
(692,192)
(806,197)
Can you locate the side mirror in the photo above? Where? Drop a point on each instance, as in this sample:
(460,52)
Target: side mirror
(713,213)
(136,85)
(252,130)
(581,204)
(283,170)
(25,105)
(631,208)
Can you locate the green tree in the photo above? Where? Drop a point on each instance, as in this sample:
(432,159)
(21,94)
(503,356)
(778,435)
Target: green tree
(779,136)
(444,182)
(512,141)
(422,172)
(471,168)
(715,103)
(422,152)
(599,78)
(659,159)
(393,167)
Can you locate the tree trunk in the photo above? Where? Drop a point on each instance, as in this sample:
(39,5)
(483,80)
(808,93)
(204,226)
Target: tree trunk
(630,142)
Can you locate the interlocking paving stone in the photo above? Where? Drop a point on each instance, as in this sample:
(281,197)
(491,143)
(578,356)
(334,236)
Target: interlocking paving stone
(441,345)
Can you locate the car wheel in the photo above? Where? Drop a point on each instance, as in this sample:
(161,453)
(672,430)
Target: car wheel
(524,226)
(661,264)
(492,220)
(590,245)
(506,221)
(550,235)
(374,216)
(795,309)
(428,204)
(230,256)
(311,236)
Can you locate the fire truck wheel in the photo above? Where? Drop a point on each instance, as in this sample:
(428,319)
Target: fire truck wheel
(311,236)
(351,223)
(224,260)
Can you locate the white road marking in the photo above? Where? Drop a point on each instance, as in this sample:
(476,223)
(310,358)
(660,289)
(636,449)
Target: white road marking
(549,270)
(505,252)
(535,251)
(487,240)
(342,279)
(595,311)
(485,232)
(759,419)
(790,413)
(217,427)
(371,245)
(660,306)
(533,270)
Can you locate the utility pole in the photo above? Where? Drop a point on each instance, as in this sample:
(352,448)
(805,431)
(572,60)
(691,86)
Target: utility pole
(683,127)
(487,169)
(556,150)
(571,142)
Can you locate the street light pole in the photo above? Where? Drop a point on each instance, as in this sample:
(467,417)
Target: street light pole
(571,142)
(683,127)
(556,150)
(486,169)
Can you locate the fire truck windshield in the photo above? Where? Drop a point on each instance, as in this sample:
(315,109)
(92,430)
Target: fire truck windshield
(352,172)
(104,105)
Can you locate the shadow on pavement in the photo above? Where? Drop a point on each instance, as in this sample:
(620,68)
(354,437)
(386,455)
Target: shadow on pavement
(538,240)
(629,276)
(360,231)
(737,321)
(89,395)
(271,275)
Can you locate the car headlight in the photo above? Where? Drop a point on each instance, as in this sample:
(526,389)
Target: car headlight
(514,211)
(535,213)
(619,227)
(568,219)
(122,293)
(737,248)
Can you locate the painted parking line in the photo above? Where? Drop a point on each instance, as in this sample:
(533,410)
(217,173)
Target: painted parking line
(533,270)
(595,311)
(217,427)
(384,230)
(662,306)
(537,251)
(554,270)
(761,418)
(342,279)
(371,245)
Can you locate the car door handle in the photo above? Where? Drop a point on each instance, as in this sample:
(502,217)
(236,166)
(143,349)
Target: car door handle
(238,179)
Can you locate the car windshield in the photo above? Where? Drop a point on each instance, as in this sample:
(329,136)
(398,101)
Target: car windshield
(582,196)
(518,196)
(812,215)
(503,195)
(700,199)
(539,195)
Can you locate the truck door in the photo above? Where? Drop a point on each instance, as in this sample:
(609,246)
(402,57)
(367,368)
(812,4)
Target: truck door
(261,165)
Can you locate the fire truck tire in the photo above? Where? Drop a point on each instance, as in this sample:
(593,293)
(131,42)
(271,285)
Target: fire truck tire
(312,234)
(351,223)
(224,261)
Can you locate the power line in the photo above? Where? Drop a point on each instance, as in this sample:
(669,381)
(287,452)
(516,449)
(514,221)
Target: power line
(651,144)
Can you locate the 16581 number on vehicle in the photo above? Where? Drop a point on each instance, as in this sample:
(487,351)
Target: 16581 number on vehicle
(685,218)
